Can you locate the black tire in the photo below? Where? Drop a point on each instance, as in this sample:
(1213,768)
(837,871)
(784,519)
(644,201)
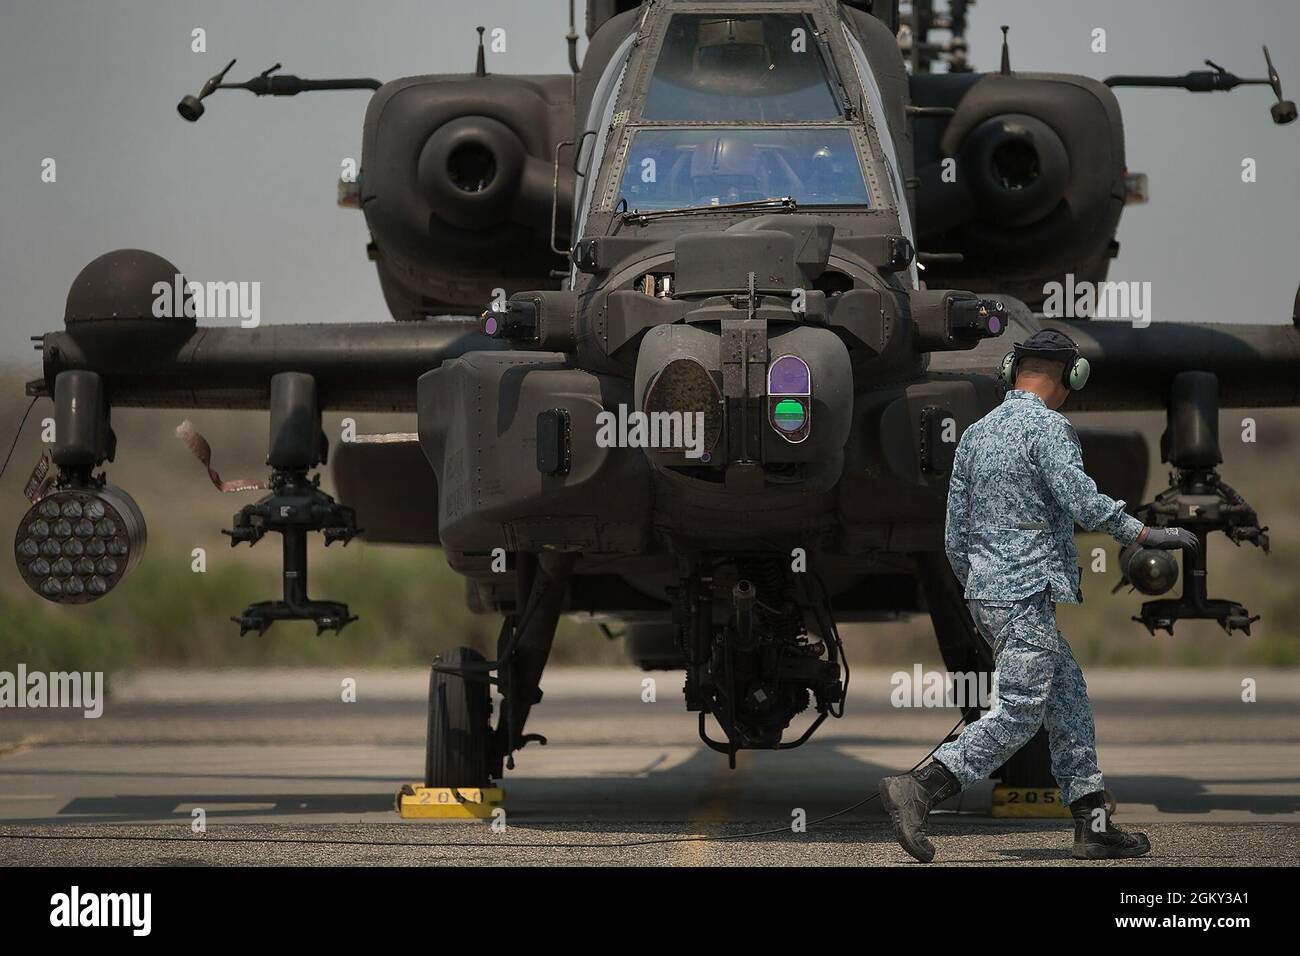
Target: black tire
(456,748)
(1030,766)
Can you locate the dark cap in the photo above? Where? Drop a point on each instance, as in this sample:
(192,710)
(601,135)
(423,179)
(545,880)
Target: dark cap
(1048,344)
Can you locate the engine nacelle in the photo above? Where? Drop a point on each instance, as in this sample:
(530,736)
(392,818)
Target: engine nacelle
(457,187)
(1034,185)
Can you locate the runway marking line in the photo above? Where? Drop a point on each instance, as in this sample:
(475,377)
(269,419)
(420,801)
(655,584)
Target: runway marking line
(727,786)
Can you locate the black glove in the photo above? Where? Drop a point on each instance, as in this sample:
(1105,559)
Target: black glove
(1169,539)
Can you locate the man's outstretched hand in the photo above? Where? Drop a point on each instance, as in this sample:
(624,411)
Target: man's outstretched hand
(1169,539)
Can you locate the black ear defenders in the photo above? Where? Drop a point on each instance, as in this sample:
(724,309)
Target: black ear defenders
(1055,347)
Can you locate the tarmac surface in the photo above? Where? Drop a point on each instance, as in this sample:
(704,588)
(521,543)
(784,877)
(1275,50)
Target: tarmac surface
(286,772)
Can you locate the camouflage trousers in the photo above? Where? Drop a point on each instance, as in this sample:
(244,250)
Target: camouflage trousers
(1037,683)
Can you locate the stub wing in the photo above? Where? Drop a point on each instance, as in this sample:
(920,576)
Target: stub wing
(1133,367)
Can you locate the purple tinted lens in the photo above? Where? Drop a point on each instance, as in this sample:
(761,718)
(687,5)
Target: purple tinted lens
(789,376)
(995,324)
(490,326)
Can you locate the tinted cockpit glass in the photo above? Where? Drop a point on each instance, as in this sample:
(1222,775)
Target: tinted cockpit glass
(740,69)
(677,168)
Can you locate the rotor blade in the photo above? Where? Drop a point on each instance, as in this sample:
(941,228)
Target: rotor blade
(1274,80)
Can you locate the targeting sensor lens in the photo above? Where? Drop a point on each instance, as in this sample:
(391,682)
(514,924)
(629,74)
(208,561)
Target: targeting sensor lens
(686,386)
(789,397)
(788,415)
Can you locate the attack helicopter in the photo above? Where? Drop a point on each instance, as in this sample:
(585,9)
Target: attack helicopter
(689,335)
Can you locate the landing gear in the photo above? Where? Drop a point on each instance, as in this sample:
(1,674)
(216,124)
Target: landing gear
(1030,767)
(462,749)
(460,708)
(524,646)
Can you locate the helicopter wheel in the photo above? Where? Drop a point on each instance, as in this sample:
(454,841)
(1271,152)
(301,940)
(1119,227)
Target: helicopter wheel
(456,748)
(1030,766)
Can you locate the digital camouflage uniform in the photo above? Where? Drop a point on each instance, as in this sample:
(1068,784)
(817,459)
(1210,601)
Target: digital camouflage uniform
(1018,489)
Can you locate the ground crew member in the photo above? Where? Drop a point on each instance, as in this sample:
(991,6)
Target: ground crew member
(1017,489)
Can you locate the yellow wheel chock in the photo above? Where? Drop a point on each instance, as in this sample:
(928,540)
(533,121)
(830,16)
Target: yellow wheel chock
(417,802)
(1035,803)
(1029,802)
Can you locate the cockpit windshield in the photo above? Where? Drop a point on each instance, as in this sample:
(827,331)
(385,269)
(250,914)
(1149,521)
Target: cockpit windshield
(701,166)
(755,68)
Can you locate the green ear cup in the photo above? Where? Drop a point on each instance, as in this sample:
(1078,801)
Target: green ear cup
(1079,373)
(1009,368)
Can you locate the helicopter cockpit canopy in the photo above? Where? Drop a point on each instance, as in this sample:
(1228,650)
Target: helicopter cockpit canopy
(709,166)
(737,107)
(738,68)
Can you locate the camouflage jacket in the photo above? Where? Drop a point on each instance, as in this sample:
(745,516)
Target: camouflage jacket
(1018,487)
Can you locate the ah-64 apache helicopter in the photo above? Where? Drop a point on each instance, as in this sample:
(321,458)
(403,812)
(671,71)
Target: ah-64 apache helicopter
(746,217)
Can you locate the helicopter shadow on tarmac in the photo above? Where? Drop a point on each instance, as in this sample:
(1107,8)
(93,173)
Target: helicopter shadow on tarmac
(666,791)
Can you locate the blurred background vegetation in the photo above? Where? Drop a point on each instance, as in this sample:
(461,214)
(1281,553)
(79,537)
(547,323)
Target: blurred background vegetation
(411,605)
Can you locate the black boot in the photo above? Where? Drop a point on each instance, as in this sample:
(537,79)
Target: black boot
(1096,838)
(910,798)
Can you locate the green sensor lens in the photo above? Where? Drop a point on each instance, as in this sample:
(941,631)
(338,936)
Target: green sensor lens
(789,415)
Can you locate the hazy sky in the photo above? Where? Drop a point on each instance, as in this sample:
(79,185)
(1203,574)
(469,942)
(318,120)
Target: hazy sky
(248,193)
